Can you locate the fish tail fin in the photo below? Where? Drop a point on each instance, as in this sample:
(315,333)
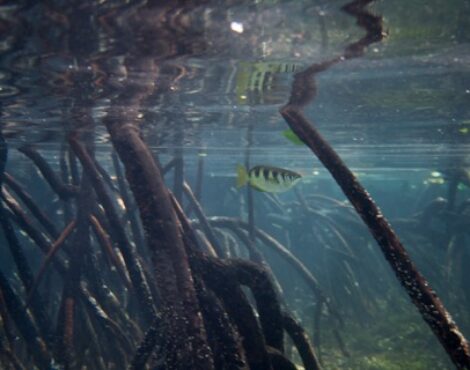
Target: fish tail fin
(242,176)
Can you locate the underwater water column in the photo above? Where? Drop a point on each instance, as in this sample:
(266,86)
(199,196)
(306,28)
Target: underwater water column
(425,299)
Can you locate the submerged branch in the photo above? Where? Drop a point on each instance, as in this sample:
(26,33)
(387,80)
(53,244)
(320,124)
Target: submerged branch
(49,257)
(303,91)
(105,242)
(129,204)
(187,339)
(64,191)
(240,311)
(31,205)
(153,335)
(25,325)
(207,228)
(136,273)
(269,241)
(25,273)
(302,343)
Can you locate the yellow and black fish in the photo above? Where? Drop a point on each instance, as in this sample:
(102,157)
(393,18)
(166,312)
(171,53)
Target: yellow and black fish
(267,178)
(254,80)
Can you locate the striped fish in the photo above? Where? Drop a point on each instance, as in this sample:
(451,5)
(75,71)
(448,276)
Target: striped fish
(254,79)
(267,178)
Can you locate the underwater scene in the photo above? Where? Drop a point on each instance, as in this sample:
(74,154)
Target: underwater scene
(234,185)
